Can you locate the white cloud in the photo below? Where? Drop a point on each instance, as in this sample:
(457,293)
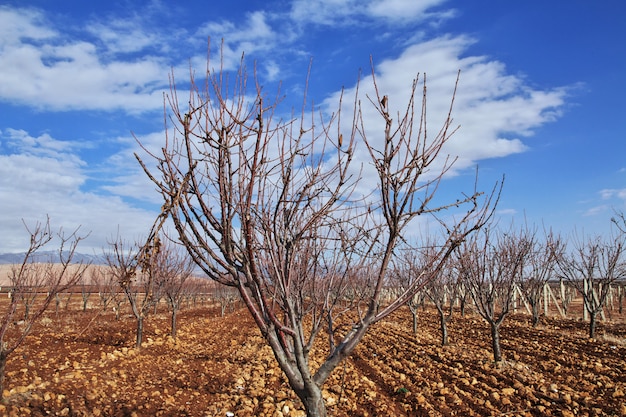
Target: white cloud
(40,69)
(610,193)
(342,12)
(253,35)
(25,24)
(123,36)
(40,176)
(494,109)
(405,10)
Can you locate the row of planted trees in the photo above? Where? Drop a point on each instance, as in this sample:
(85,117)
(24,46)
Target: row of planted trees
(159,270)
(137,277)
(496,269)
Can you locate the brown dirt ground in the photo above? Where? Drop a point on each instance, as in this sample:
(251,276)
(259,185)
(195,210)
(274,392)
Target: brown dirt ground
(69,367)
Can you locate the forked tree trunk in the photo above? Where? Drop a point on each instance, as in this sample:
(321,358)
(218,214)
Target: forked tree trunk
(592,324)
(534,306)
(312,400)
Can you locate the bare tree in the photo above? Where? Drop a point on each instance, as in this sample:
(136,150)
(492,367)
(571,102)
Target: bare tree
(408,270)
(592,267)
(538,268)
(88,282)
(106,283)
(171,269)
(36,284)
(226,296)
(268,207)
(490,265)
(132,267)
(442,292)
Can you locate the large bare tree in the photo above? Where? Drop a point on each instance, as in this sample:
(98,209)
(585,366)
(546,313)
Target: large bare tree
(269,207)
(592,266)
(34,284)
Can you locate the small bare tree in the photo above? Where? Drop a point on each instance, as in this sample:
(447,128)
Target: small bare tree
(226,296)
(132,267)
(539,266)
(410,268)
(490,265)
(171,269)
(442,292)
(592,266)
(268,207)
(36,284)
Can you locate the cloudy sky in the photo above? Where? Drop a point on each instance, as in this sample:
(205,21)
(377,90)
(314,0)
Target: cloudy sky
(541,95)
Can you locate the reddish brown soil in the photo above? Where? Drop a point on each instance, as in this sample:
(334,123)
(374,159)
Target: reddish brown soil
(70,368)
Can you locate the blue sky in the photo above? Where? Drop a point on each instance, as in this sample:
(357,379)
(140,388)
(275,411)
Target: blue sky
(541,96)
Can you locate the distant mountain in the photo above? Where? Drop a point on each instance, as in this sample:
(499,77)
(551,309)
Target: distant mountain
(50,256)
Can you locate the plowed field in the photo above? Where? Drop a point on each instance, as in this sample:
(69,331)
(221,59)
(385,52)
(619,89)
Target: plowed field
(70,367)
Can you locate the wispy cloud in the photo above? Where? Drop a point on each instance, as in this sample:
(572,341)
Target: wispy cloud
(43,69)
(348,12)
(493,109)
(42,176)
(611,193)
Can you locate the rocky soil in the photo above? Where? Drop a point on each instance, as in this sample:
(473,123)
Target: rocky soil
(80,364)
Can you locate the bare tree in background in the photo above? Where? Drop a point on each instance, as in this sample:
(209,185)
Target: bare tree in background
(490,265)
(106,285)
(171,269)
(132,267)
(442,292)
(268,207)
(226,296)
(410,268)
(539,266)
(592,267)
(36,284)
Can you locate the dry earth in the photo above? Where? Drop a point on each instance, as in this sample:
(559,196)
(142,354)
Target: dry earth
(70,367)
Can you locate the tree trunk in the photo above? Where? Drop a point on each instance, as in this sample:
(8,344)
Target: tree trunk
(495,342)
(3,363)
(592,324)
(414,313)
(139,332)
(444,328)
(313,401)
(535,313)
(174,310)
